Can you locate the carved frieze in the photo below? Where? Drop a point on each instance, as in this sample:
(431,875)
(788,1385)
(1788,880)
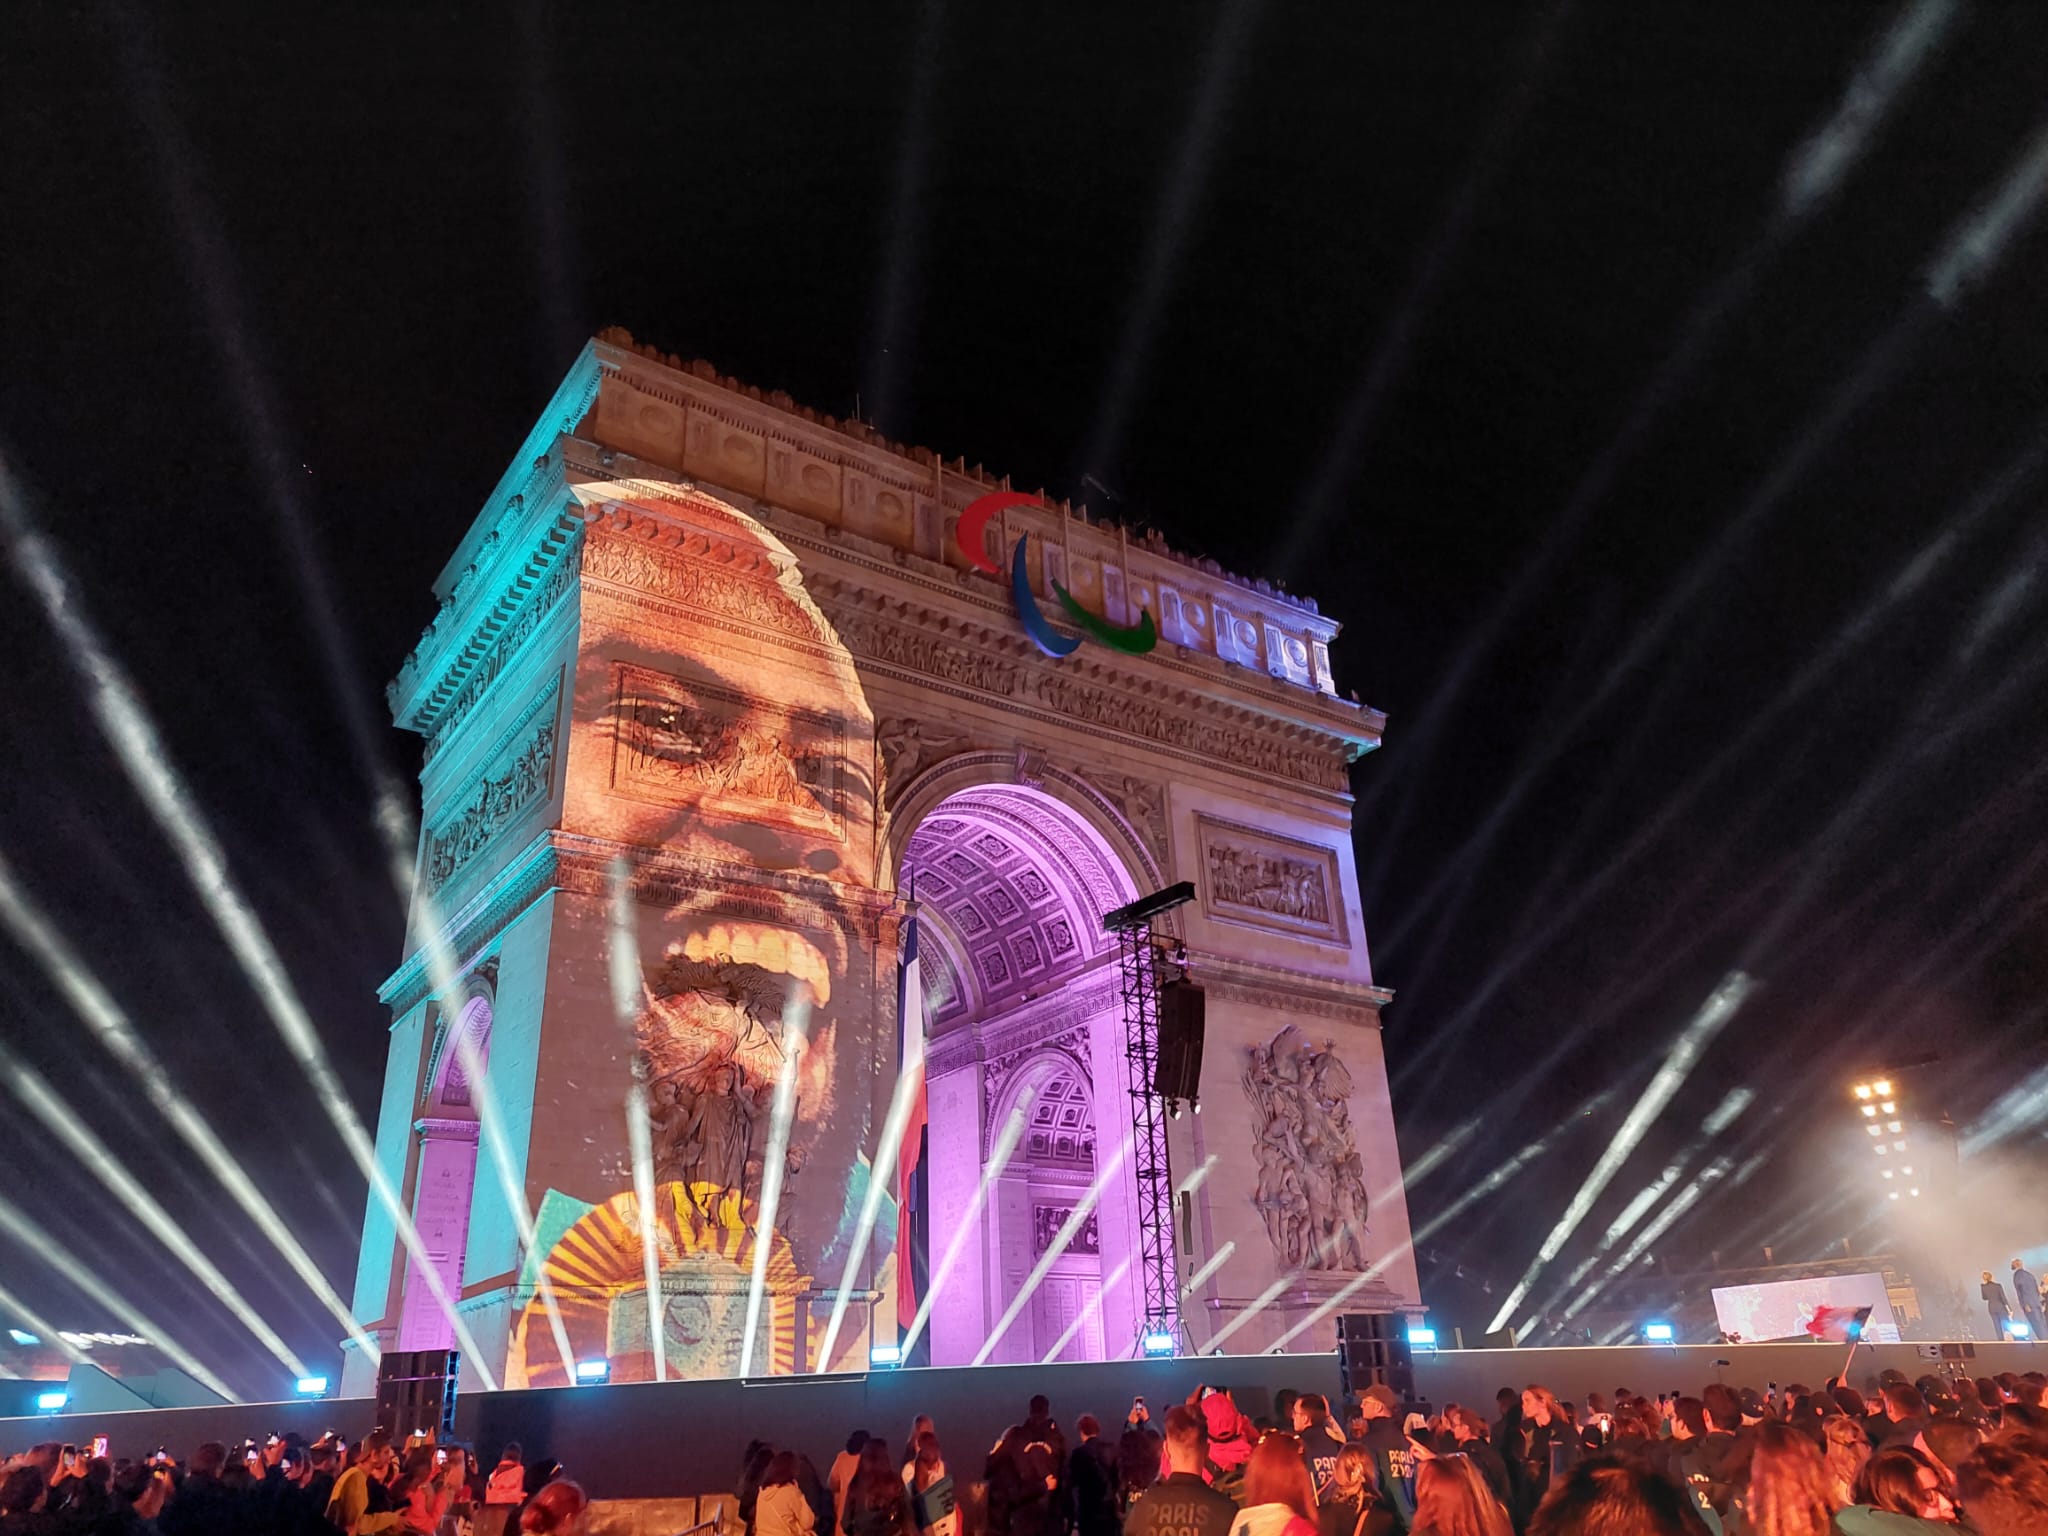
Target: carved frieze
(1311,1191)
(517,779)
(686,742)
(908,747)
(1046,1221)
(561,578)
(1142,804)
(687,575)
(1269,881)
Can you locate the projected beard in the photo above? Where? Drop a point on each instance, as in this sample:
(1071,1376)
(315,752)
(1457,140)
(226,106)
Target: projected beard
(713,1040)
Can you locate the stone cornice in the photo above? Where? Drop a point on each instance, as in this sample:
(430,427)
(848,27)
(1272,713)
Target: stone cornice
(524,879)
(853,445)
(1250,981)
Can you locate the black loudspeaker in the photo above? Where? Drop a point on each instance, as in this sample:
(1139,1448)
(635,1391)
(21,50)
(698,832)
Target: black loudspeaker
(1178,1074)
(1372,1350)
(416,1391)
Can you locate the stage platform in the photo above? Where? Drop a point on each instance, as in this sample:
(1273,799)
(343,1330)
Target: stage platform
(685,1438)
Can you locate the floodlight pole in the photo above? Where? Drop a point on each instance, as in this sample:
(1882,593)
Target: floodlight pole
(1151,1164)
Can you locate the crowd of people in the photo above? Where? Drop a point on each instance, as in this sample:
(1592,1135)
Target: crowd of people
(1908,1458)
(287,1486)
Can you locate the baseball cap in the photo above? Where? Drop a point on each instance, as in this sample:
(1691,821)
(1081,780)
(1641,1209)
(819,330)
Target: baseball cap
(1384,1396)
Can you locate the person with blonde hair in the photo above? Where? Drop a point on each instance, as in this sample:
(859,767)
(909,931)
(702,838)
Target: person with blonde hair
(1452,1499)
(1351,1505)
(1848,1449)
(1549,1444)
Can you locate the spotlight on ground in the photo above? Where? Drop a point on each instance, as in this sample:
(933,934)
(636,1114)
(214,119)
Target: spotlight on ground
(2018,1329)
(1422,1338)
(884,1357)
(1659,1333)
(312,1386)
(51,1402)
(1158,1344)
(26,1340)
(592,1372)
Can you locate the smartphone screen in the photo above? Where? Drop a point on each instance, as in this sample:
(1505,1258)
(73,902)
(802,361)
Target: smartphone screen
(99,1446)
(440,1456)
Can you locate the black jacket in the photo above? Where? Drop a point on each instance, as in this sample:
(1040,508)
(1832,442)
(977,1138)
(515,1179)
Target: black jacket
(1180,1504)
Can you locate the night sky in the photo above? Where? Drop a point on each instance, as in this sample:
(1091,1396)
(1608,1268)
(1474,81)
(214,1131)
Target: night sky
(1546,347)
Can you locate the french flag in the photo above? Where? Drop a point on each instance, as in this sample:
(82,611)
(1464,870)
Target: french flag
(910,1009)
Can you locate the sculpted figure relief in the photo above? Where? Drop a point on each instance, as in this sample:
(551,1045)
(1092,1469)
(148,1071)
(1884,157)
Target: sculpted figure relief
(908,747)
(1311,1178)
(1249,877)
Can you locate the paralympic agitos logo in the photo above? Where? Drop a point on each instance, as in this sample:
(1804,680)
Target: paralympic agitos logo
(1131,639)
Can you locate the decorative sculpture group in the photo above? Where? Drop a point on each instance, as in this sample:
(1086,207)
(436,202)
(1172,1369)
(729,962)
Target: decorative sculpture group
(1311,1179)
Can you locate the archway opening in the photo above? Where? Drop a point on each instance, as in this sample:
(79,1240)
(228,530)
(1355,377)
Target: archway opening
(1025,1017)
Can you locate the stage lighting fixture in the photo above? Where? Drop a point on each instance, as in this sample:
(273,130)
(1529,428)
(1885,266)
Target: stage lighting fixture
(1890,1108)
(1914,1191)
(1899,1146)
(1422,1338)
(1887,1173)
(1880,1149)
(885,1357)
(1895,1194)
(23,1339)
(2018,1329)
(1884,1089)
(1870,1110)
(51,1402)
(1874,1130)
(1158,1343)
(591,1372)
(1908,1168)
(1863,1090)
(312,1386)
(1659,1333)
(1894,1127)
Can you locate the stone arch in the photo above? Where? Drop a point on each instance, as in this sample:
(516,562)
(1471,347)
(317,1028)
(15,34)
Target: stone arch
(909,805)
(1031,1077)
(449,1130)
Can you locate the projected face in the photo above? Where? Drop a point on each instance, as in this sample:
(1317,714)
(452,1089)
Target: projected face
(716,1035)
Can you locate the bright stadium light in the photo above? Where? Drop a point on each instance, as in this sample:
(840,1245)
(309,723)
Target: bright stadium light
(1882,1088)
(1659,1333)
(885,1357)
(312,1386)
(1889,1108)
(1863,1092)
(1158,1344)
(1870,1110)
(51,1402)
(591,1372)
(1422,1338)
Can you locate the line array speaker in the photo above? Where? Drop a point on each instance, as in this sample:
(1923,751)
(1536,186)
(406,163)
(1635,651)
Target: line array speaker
(1178,1074)
(1372,1350)
(416,1391)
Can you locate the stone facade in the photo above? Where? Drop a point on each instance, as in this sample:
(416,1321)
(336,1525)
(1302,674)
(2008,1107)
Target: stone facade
(709,685)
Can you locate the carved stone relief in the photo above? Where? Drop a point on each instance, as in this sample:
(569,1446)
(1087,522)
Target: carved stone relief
(517,780)
(1046,1221)
(1269,881)
(1311,1181)
(1142,804)
(908,747)
(1181,729)
(688,742)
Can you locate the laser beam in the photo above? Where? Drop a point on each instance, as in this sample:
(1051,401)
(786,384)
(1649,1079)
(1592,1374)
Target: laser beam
(795,1039)
(1094,1308)
(110,1026)
(41,1242)
(998,1159)
(1069,1229)
(1217,1261)
(28,1085)
(140,749)
(622,956)
(1685,1053)
(880,1173)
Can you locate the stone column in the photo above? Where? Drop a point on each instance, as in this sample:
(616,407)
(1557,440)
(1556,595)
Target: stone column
(440,1210)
